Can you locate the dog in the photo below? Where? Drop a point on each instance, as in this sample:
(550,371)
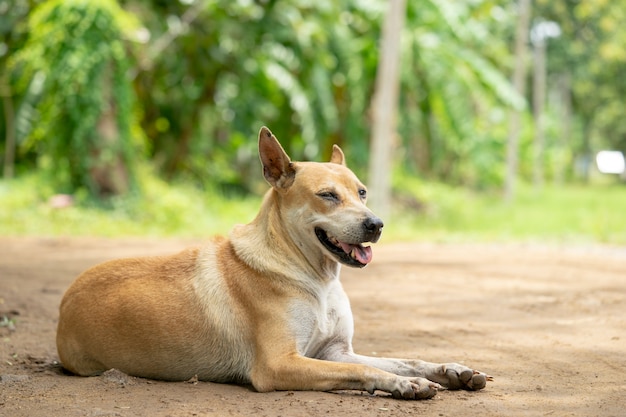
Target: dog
(263,307)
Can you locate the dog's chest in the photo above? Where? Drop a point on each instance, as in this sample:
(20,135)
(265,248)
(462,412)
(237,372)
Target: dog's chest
(315,324)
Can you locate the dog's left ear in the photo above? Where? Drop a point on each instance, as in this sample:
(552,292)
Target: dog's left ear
(338,157)
(277,167)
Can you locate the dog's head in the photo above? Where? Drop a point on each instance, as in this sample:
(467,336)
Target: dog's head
(322,205)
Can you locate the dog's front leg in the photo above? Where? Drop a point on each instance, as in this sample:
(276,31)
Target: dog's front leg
(449,375)
(295,372)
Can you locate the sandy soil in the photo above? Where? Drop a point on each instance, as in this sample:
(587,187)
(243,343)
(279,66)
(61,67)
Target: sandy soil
(549,323)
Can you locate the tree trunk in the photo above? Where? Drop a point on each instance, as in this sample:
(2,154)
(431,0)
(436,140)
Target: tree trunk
(587,157)
(565,99)
(9,117)
(519,77)
(384,109)
(539,97)
(109,173)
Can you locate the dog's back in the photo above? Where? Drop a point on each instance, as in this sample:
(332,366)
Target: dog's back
(149,317)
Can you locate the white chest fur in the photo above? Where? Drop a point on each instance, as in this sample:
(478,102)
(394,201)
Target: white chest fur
(322,323)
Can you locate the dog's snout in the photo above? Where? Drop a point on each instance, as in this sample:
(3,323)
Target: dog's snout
(373,228)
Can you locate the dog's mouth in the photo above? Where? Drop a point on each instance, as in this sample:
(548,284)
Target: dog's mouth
(351,254)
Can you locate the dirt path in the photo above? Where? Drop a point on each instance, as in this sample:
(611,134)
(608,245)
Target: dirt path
(548,323)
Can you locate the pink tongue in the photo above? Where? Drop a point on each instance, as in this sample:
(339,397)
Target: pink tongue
(363,254)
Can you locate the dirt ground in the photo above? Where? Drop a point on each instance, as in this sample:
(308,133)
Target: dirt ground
(547,322)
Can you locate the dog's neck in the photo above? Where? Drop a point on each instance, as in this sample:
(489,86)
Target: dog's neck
(267,245)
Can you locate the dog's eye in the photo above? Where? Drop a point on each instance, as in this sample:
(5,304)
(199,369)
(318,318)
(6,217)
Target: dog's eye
(328,195)
(363,193)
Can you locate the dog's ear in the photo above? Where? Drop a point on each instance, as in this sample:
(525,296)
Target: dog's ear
(277,167)
(338,157)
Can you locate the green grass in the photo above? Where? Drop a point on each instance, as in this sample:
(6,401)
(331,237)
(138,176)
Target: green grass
(425,211)
(571,213)
(162,210)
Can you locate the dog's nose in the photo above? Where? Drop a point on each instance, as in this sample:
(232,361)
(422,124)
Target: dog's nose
(373,224)
(373,228)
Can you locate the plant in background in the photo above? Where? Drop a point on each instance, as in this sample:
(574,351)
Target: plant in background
(455,92)
(83,125)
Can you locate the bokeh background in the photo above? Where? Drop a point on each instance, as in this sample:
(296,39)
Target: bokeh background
(140,117)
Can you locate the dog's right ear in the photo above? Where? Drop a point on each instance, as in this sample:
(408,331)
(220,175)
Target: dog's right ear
(277,167)
(338,157)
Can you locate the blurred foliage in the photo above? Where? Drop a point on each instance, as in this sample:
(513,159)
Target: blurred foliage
(456,90)
(75,65)
(304,69)
(591,53)
(185,85)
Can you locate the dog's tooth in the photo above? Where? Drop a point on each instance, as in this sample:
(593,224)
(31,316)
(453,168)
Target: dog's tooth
(353,253)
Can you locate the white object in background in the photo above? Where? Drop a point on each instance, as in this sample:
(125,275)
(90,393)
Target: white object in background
(610,162)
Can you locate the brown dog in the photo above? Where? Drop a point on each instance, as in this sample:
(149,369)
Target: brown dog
(263,307)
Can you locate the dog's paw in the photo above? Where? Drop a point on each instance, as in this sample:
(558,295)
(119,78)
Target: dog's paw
(416,388)
(455,376)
